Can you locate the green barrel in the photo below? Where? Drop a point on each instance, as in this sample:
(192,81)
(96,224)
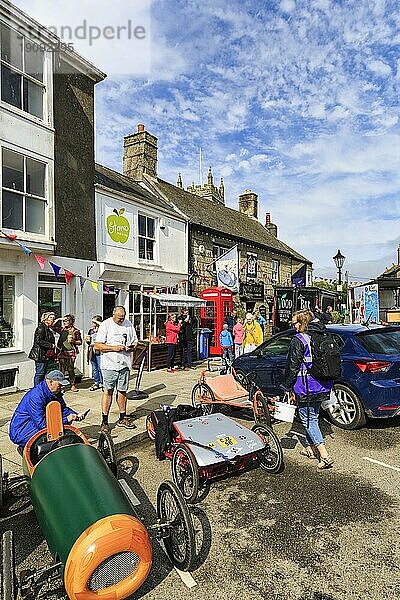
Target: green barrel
(71,489)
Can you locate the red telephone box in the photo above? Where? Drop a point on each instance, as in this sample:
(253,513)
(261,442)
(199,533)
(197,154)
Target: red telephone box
(219,304)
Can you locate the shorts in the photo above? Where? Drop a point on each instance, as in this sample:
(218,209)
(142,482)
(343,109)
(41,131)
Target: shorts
(116,379)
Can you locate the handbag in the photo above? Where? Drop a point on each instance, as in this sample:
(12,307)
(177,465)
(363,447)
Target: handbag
(53,353)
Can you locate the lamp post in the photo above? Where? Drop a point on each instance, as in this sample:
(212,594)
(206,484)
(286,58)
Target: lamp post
(339,262)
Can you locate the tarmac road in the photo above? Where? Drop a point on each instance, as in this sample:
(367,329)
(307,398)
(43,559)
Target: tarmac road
(299,535)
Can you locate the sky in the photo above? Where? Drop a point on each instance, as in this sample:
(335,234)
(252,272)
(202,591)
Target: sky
(295,100)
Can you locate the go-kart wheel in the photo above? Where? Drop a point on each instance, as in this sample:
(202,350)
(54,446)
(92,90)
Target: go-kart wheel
(185,472)
(150,428)
(107,450)
(199,392)
(271,458)
(9,578)
(180,545)
(260,409)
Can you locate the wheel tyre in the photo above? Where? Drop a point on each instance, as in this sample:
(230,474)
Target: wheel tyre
(200,390)
(271,459)
(185,472)
(169,495)
(8,579)
(150,428)
(241,377)
(349,412)
(107,450)
(260,409)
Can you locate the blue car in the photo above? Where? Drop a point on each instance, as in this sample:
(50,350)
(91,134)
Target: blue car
(370,382)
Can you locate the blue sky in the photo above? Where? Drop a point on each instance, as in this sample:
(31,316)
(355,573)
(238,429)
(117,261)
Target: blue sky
(296,100)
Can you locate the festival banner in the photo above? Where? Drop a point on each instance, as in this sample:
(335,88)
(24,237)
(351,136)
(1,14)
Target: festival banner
(227,268)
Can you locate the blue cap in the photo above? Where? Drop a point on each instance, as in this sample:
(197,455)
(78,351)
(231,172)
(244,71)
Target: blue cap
(56,375)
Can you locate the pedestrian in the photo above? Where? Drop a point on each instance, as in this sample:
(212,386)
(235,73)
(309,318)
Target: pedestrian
(30,415)
(172,328)
(324,316)
(116,339)
(44,346)
(68,346)
(188,325)
(238,332)
(93,356)
(261,321)
(231,319)
(252,335)
(309,392)
(226,341)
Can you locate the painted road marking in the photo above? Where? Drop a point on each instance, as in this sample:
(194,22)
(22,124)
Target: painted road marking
(134,500)
(382,464)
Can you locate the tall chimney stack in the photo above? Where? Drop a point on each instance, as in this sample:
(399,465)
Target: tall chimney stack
(140,154)
(398,254)
(248,204)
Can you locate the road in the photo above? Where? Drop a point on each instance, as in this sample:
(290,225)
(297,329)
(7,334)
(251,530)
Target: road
(299,535)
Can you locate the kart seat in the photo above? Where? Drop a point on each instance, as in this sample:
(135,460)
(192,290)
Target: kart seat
(225,388)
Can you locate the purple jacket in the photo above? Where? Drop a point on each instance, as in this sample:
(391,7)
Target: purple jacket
(305,383)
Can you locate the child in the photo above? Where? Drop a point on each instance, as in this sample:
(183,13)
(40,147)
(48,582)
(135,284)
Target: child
(226,341)
(238,331)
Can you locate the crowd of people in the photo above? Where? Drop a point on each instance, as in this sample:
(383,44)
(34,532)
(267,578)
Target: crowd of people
(110,346)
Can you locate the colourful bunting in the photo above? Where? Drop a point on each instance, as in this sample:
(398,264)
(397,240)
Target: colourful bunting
(68,276)
(25,249)
(82,281)
(41,261)
(11,236)
(55,268)
(94,285)
(106,289)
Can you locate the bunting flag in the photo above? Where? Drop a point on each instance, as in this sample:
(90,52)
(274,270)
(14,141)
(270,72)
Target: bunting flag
(68,276)
(117,291)
(82,281)
(94,285)
(41,261)
(24,248)
(11,236)
(55,268)
(299,278)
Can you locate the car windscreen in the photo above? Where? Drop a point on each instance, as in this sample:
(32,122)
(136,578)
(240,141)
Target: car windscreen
(381,342)
(277,346)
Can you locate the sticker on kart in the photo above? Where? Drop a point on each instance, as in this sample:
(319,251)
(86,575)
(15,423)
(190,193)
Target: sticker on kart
(226,441)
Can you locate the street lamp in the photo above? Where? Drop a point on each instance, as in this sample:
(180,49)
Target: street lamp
(339,261)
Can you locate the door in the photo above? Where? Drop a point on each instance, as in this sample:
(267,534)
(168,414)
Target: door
(270,361)
(51,297)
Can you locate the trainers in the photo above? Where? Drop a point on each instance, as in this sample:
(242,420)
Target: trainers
(104,428)
(170,370)
(94,387)
(325,463)
(127,423)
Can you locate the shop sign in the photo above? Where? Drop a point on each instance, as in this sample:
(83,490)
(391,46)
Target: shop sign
(118,225)
(251,266)
(252,291)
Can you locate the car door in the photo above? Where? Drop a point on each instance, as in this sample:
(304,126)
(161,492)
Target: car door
(270,361)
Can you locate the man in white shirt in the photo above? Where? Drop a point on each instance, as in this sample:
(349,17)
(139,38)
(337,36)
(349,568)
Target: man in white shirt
(116,339)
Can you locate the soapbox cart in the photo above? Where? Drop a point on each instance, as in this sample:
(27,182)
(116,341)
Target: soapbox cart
(100,547)
(207,447)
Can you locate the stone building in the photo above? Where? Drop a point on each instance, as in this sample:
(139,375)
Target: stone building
(214,228)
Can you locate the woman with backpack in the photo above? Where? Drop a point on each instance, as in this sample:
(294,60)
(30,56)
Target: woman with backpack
(309,392)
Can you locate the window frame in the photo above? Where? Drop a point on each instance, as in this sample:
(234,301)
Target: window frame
(275,262)
(24,76)
(24,194)
(147,239)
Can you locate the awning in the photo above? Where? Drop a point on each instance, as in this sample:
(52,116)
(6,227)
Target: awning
(175,299)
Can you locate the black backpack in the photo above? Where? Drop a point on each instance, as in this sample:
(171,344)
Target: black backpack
(326,363)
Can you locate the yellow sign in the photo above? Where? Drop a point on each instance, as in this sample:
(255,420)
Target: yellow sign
(227,441)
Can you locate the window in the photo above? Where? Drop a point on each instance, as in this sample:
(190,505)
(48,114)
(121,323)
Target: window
(274,271)
(23,193)
(22,63)
(7,301)
(217,252)
(146,237)
(277,347)
(381,342)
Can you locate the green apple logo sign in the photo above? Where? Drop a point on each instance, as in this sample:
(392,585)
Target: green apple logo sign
(118,226)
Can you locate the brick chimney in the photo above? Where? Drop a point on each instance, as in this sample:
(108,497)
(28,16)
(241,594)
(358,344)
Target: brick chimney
(140,154)
(270,227)
(248,204)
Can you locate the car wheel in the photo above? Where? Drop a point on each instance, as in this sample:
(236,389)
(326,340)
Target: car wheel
(348,412)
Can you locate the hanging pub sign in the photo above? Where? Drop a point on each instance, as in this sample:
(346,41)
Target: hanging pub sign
(251,266)
(252,291)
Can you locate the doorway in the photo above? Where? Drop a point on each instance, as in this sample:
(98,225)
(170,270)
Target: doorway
(51,297)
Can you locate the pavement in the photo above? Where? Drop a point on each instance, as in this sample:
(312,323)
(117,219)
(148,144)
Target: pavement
(161,387)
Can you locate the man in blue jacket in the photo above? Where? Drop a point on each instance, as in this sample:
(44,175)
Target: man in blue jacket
(30,415)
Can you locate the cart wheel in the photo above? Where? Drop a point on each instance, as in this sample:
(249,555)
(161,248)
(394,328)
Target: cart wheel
(271,458)
(199,392)
(107,450)
(185,472)
(260,409)
(180,545)
(150,428)
(8,579)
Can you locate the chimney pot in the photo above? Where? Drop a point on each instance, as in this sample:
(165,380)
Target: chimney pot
(268,218)
(140,127)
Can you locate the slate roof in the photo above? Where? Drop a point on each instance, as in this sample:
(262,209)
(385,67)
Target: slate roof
(217,217)
(391,271)
(121,183)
